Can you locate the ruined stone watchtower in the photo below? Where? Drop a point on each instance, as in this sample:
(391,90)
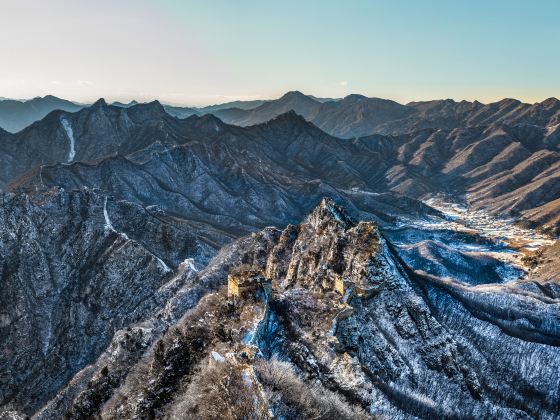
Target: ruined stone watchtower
(348,288)
(342,285)
(248,281)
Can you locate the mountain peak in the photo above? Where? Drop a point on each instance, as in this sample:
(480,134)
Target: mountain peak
(148,110)
(293,94)
(206,118)
(125,105)
(43,99)
(156,105)
(99,103)
(51,98)
(290,117)
(206,122)
(328,211)
(551,102)
(508,102)
(355,97)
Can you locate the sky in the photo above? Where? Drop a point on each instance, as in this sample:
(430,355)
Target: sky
(203,52)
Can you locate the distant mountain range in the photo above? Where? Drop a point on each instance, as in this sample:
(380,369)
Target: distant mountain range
(349,117)
(16,115)
(498,160)
(357,115)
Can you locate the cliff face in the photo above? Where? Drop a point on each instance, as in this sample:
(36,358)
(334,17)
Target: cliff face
(416,346)
(327,247)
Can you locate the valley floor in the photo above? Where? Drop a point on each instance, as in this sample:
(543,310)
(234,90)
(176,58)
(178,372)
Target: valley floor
(464,236)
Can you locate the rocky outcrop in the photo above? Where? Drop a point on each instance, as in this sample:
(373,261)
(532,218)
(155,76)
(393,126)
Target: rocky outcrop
(327,247)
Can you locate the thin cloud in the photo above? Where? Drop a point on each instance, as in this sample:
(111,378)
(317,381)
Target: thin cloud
(84,83)
(343,83)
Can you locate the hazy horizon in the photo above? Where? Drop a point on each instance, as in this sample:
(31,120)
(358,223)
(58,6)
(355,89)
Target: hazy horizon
(194,54)
(126,101)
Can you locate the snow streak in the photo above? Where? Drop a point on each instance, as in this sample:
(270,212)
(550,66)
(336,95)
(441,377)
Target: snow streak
(70,133)
(109,226)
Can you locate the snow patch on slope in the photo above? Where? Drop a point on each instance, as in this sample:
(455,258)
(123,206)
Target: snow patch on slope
(189,264)
(70,134)
(164,266)
(108,224)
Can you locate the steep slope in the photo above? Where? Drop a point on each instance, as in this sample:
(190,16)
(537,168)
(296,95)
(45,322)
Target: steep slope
(95,383)
(92,133)
(448,114)
(350,320)
(545,217)
(16,115)
(75,267)
(546,267)
(444,114)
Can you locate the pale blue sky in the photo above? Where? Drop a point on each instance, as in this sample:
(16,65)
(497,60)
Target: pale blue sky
(201,52)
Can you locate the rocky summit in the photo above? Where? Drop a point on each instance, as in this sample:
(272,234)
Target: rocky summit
(347,258)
